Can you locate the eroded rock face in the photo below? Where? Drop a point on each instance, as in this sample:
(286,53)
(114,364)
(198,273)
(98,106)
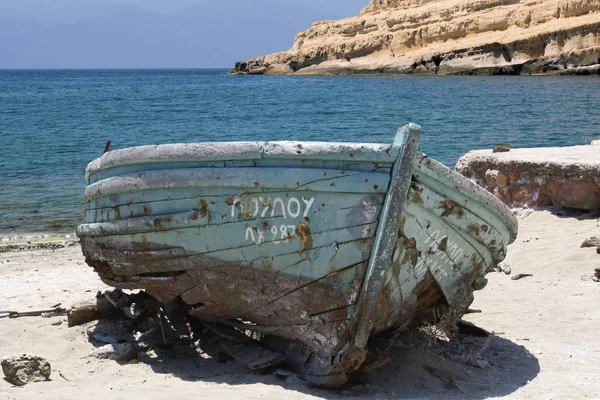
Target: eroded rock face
(447,37)
(25,368)
(563,176)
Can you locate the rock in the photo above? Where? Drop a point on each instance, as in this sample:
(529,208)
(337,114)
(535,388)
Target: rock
(87,311)
(502,266)
(443,37)
(294,379)
(591,242)
(597,273)
(490,178)
(26,368)
(562,176)
(502,181)
(117,352)
(507,270)
(82,313)
(479,363)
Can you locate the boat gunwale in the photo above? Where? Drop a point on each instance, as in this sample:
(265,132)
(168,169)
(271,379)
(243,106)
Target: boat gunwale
(248,151)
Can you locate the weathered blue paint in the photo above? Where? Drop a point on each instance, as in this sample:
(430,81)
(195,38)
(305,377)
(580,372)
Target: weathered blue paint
(323,244)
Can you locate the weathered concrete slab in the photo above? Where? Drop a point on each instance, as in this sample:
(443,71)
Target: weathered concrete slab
(563,176)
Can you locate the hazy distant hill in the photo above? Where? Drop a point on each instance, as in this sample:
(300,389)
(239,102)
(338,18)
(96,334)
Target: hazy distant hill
(214,34)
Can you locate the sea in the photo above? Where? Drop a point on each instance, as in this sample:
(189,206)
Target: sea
(54,122)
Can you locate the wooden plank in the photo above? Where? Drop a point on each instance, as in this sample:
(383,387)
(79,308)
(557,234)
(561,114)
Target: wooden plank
(455,261)
(330,151)
(427,201)
(232,207)
(348,165)
(387,233)
(314,264)
(226,292)
(177,152)
(467,194)
(295,179)
(226,151)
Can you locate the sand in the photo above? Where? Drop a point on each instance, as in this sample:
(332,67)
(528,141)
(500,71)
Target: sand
(545,344)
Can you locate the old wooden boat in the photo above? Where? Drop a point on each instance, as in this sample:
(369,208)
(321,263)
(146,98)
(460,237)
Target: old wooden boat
(320,245)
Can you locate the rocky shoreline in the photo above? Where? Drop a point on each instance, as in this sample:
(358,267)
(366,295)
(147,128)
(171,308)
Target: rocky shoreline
(443,37)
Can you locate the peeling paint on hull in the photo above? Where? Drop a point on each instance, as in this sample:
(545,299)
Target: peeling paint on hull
(321,244)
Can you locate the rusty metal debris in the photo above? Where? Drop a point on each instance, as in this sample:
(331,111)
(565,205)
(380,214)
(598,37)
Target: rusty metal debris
(48,312)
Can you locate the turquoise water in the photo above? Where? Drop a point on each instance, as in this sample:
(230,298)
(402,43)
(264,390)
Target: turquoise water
(52,123)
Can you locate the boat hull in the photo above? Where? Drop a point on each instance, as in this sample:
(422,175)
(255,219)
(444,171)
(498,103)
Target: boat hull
(281,238)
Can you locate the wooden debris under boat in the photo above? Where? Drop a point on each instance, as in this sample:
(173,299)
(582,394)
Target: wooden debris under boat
(315,247)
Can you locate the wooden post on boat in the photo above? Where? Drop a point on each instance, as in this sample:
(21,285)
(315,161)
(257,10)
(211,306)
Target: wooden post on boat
(387,234)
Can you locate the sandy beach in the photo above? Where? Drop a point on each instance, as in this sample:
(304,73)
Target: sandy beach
(545,343)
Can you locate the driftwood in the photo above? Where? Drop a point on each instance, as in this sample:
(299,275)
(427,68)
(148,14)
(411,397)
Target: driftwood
(520,276)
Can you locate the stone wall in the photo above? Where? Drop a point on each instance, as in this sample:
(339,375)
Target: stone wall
(566,177)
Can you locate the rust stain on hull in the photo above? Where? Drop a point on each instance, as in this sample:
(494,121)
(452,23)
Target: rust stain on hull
(306,235)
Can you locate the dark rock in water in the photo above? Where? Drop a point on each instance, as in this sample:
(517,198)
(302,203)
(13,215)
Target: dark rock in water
(25,368)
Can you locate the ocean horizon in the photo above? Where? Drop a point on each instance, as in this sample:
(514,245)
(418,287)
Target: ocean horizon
(53,122)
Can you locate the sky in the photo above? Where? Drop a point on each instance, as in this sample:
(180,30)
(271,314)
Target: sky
(154,33)
(53,12)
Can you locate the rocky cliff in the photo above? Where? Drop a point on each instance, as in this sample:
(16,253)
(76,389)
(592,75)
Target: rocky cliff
(447,37)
